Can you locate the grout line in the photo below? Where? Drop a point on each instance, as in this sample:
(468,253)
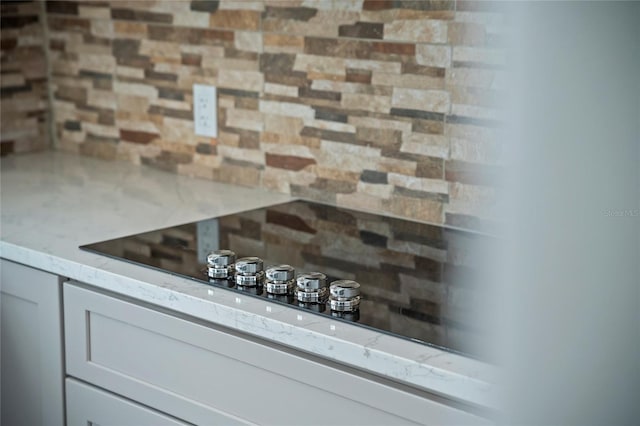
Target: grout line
(53,136)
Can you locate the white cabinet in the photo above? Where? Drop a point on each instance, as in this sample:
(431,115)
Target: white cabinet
(87,405)
(204,374)
(31,350)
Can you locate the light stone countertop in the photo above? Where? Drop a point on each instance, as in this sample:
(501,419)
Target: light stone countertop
(53,202)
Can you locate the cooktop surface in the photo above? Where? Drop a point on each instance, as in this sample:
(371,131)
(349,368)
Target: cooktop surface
(417,281)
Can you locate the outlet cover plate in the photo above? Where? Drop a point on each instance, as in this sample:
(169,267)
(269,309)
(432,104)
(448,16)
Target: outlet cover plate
(205,110)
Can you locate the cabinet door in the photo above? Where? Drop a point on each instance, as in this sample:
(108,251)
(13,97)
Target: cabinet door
(87,405)
(31,347)
(206,375)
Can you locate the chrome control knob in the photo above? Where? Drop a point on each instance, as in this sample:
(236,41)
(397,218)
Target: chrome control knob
(312,287)
(220,264)
(344,296)
(279,279)
(249,272)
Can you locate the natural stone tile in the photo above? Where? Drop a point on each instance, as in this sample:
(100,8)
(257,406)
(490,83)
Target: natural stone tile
(466,34)
(361,30)
(283,43)
(417,208)
(244,80)
(366,102)
(419,184)
(409,81)
(235,19)
(425,144)
(281,90)
(428,100)
(430,31)
(287,109)
(249,41)
(288,162)
(433,55)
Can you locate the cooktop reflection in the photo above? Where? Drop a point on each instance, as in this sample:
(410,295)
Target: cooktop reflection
(417,281)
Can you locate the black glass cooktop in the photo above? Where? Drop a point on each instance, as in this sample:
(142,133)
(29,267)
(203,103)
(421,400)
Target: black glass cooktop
(418,281)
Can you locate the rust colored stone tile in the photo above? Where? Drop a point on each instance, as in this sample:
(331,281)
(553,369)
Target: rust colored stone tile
(397,48)
(361,30)
(235,19)
(62,7)
(284,40)
(191,59)
(338,48)
(190,35)
(141,15)
(130,28)
(137,136)
(377,4)
(358,76)
(289,13)
(204,5)
(288,162)
(466,33)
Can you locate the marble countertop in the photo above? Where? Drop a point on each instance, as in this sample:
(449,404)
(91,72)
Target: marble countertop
(53,202)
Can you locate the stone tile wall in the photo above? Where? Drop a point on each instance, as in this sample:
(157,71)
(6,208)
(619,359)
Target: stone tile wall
(388,106)
(23,83)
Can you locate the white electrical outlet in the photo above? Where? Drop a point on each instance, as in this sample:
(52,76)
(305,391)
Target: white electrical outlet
(205,110)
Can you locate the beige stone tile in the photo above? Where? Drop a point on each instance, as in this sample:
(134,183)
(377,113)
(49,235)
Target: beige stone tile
(257,5)
(319,64)
(433,55)
(251,155)
(281,90)
(282,124)
(137,89)
(170,103)
(366,102)
(187,18)
(408,81)
(377,190)
(438,186)
(102,28)
(159,48)
(133,103)
(394,165)
(245,119)
(424,144)
(287,149)
(426,100)
(129,72)
(360,201)
(416,208)
(242,80)
(102,99)
(102,63)
(94,12)
(101,130)
(371,122)
(287,108)
(249,41)
(431,31)
(348,157)
(330,125)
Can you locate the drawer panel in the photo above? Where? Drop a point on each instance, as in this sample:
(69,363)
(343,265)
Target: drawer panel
(199,373)
(87,405)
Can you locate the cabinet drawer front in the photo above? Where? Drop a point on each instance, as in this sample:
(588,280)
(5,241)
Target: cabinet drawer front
(88,405)
(204,375)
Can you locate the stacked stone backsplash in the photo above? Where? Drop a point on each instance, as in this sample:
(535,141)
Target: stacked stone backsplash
(387,106)
(24,103)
